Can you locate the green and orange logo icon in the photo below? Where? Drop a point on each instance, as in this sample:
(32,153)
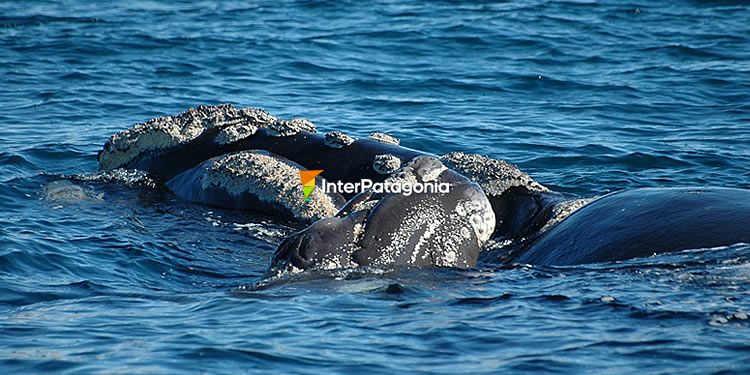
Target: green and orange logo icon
(308,181)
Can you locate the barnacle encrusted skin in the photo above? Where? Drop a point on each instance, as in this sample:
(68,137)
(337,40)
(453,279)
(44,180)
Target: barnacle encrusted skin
(384,138)
(481,217)
(286,128)
(494,176)
(235,132)
(419,169)
(168,131)
(564,209)
(336,139)
(386,164)
(270,179)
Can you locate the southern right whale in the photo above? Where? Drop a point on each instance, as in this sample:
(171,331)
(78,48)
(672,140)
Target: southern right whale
(644,222)
(245,158)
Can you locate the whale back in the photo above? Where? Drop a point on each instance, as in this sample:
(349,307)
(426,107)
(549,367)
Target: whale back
(645,222)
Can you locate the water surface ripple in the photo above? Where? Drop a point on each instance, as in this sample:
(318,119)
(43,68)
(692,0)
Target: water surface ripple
(588,97)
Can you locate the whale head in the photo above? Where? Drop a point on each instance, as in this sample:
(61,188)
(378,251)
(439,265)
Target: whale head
(376,228)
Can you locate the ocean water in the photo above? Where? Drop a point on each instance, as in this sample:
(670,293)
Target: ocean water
(102,276)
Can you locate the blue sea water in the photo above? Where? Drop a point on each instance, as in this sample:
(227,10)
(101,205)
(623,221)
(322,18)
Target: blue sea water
(588,97)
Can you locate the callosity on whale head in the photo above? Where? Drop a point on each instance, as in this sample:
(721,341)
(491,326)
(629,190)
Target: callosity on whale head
(433,228)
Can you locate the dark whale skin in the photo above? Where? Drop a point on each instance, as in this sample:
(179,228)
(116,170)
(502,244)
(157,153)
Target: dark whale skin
(643,222)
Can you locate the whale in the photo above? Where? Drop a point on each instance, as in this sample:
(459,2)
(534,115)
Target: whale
(644,222)
(246,159)
(386,229)
(492,212)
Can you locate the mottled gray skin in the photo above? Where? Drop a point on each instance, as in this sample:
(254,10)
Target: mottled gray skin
(428,229)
